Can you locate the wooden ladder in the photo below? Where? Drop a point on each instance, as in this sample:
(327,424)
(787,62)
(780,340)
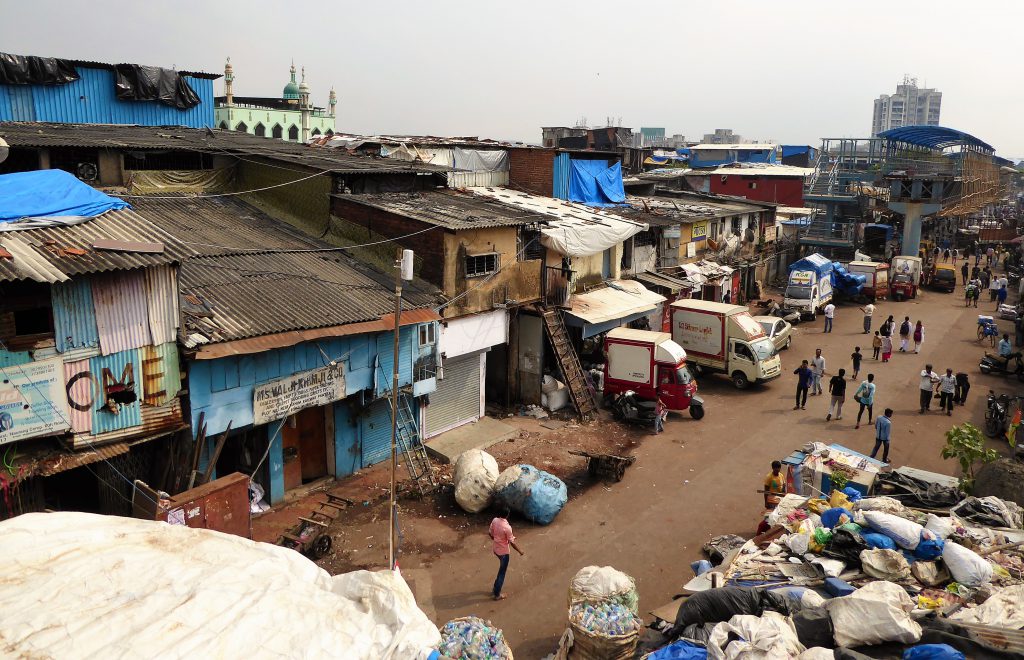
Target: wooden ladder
(569,363)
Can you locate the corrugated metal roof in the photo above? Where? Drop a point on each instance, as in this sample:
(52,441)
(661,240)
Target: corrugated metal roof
(205,140)
(449,209)
(55,254)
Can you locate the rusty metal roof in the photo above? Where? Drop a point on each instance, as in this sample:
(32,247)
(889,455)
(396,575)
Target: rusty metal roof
(204,140)
(55,254)
(449,209)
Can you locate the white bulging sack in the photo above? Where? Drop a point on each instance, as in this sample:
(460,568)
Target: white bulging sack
(476,472)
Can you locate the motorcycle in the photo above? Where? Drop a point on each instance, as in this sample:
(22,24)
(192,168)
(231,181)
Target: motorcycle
(997,414)
(995,364)
(628,408)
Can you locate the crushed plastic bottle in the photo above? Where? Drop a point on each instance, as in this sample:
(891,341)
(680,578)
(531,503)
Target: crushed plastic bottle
(608,618)
(472,638)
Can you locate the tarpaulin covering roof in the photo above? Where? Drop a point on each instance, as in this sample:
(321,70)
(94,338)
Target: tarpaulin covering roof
(935,137)
(621,298)
(51,193)
(594,183)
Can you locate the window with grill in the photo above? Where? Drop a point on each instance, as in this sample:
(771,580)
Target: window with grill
(530,246)
(644,238)
(481,264)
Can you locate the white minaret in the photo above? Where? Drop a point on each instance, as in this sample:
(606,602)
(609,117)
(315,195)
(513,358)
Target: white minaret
(305,109)
(333,100)
(229,78)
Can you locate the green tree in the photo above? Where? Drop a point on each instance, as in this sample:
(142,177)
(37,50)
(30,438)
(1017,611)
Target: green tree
(966,444)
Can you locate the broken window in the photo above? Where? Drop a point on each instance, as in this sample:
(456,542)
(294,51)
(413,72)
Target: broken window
(481,264)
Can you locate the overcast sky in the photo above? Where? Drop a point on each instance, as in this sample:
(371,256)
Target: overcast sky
(789,70)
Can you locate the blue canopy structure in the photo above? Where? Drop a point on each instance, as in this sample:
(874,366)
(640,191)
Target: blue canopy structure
(935,137)
(51,194)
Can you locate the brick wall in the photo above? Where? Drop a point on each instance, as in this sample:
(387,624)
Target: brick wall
(531,170)
(428,246)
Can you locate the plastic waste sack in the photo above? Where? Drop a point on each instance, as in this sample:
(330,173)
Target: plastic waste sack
(852,494)
(907,534)
(715,605)
(965,565)
(1003,609)
(884,564)
(932,652)
(598,584)
(537,495)
(814,627)
(941,527)
(835,517)
(930,546)
(769,636)
(476,472)
(930,573)
(681,650)
(878,540)
(164,581)
(816,653)
(876,613)
(471,638)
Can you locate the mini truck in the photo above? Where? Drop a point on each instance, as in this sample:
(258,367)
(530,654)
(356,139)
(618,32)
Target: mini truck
(810,286)
(652,366)
(718,337)
(877,278)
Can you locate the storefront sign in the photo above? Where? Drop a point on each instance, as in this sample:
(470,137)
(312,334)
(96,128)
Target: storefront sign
(32,400)
(699,231)
(280,398)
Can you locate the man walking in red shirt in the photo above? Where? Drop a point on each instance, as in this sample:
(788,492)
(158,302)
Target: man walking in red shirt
(502,537)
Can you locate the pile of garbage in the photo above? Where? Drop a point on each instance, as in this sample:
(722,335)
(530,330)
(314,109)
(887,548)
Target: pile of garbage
(535,494)
(603,616)
(852,571)
(472,638)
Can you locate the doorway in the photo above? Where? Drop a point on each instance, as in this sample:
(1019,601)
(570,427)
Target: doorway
(304,442)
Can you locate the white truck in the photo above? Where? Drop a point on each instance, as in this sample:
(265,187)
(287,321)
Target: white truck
(810,286)
(719,337)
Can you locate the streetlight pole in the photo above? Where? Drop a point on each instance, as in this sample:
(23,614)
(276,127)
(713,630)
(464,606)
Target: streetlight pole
(403,271)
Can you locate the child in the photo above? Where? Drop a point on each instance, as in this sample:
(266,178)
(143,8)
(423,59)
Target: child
(856,357)
(886,348)
(876,344)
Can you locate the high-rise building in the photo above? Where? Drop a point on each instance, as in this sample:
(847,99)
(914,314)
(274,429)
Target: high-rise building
(652,137)
(722,136)
(909,106)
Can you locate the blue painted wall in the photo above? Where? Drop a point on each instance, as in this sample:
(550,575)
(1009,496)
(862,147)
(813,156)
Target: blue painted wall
(91,100)
(223,389)
(735,156)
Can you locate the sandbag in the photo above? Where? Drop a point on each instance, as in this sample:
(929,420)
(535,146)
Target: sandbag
(965,565)
(929,547)
(878,540)
(907,534)
(535,494)
(941,527)
(933,652)
(814,628)
(476,472)
(836,516)
(876,613)
(745,636)
(930,573)
(885,564)
(599,584)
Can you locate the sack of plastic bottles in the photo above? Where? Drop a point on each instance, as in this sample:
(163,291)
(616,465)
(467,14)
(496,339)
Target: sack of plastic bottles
(472,638)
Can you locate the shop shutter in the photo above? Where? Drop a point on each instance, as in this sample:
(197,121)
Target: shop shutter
(375,429)
(457,399)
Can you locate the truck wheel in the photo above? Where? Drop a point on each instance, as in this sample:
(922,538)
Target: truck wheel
(697,412)
(739,379)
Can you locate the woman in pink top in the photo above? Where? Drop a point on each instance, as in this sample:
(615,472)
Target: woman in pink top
(501,537)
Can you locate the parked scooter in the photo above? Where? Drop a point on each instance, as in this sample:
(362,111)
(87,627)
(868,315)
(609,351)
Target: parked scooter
(628,408)
(997,414)
(1012,364)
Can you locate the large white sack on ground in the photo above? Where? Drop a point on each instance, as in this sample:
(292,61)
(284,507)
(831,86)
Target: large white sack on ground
(770,636)
(475,474)
(876,613)
(965,565)
(597,584)
(1004,609)
(906,533)
(78,585)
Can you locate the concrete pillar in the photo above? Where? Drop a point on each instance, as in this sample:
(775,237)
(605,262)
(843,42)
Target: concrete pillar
(911,230)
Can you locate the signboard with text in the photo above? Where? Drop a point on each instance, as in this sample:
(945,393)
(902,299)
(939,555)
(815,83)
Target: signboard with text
(699,231)
(280,398)
(32,400)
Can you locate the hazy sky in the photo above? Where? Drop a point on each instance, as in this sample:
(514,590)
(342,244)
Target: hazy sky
(789,70)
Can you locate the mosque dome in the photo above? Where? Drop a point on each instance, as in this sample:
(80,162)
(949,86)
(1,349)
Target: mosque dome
(291,90)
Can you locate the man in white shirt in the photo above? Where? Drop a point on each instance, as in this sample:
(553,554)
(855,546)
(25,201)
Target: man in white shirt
(830,314)
(869,311)
(817,371)
(928,380)
(947,389)
(993,287)
(1003,282)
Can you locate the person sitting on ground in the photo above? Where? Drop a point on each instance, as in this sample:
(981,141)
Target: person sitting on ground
(774,486)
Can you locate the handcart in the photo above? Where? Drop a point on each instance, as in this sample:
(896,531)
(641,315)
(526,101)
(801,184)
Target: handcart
(309,536)
(606,466)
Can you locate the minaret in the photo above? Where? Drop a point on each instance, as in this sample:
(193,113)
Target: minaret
(229,77)
(305,109)
(333,101)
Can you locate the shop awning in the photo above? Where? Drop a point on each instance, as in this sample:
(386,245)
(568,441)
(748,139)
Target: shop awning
(618,303)
(671,284)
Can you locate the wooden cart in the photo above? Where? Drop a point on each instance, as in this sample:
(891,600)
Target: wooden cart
(606,466)
(309,536)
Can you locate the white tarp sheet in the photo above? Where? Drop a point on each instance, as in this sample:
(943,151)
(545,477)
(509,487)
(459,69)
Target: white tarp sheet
(621,298)
(78,585)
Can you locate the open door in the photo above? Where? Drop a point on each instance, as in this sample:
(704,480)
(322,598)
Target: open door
(305,448)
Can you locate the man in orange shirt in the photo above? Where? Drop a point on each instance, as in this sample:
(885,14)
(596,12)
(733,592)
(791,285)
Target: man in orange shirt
(502,537)
(774,486)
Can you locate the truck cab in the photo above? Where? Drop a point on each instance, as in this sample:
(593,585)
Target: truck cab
(809,287)
(652,366)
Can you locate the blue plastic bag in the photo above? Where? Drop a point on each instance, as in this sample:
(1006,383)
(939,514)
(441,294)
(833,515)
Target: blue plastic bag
(878,541)
(681,650)
(852,494)
(932,652)
(536,494)
(701,566)
(929,548)
(830,517)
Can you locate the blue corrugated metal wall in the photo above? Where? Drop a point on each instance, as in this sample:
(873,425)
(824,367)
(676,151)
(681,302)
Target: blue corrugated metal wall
(375,432)
(91,100)
(127,416)
(560,183)
(74,319)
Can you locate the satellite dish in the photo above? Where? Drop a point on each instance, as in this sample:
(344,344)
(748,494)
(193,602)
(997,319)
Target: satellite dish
(4,150)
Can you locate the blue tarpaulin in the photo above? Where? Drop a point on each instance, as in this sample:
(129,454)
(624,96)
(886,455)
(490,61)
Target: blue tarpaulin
(594,183)
(49,194)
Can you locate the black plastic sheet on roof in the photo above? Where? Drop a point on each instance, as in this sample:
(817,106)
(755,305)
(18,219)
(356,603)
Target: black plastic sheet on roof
(32,70)
(134,82)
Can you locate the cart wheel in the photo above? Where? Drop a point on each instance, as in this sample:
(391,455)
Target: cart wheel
(321,546)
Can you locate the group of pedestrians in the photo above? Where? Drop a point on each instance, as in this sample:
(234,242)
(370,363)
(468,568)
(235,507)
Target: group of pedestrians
(981,279)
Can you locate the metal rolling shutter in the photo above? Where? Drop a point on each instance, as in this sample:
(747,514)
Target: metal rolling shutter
(375,429)
(457,399)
